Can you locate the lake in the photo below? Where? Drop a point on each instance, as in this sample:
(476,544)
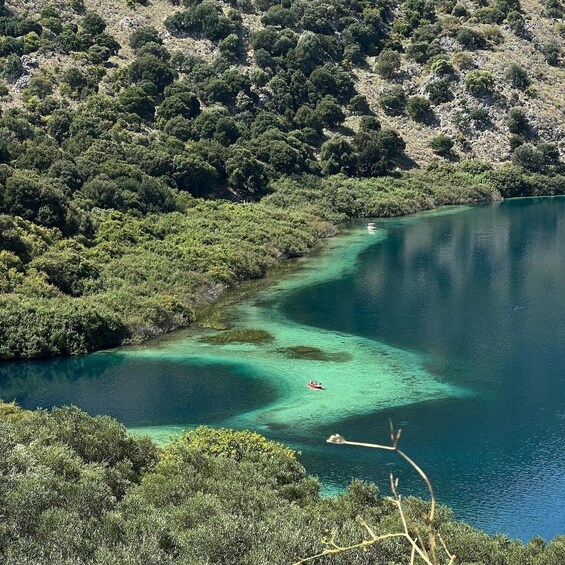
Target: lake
(451,323)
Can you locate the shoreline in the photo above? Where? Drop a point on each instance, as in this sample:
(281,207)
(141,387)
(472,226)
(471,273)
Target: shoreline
(172,283)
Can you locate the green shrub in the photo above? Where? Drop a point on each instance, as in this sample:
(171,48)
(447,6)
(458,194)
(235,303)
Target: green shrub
(516,22)
(517,121)
(439,91)
(480,83)
(552,53)
(143,35)
(517,76)
(337,156)
(388,63)
(418,108)
(442,145)
(359,105)
(529,158)
(393,101)
(470,39)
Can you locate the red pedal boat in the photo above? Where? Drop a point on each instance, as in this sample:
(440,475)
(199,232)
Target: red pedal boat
(314,384)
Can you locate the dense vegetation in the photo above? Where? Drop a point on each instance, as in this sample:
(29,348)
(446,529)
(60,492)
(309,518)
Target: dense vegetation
(77,490)
(139,178)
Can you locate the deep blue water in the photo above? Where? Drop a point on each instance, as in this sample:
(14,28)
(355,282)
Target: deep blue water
(480,294)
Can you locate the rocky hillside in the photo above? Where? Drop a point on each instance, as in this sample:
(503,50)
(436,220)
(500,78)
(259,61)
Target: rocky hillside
(412,62)
(156,152)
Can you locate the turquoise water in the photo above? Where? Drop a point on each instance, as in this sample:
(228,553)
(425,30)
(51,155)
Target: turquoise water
(451,323)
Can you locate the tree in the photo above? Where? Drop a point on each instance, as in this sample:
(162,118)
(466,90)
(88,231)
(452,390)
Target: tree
(418,108)
(143,35)
(388,63)
(529,158)
(338,156)
(517,76)
(151,69)
(193,174)
(13,68)
(74,77)
(393,101)
(470,39)
(182,104)
(516,22)
(309,52)
(359,105)
(35,198)
(279,17)
(377,151)
(442,145)
(246,172)
(103,192)
(134,100)
(329,111)
(552,53)
(93,23)
(517,121)
(369,123)
(439,91)
(231,47)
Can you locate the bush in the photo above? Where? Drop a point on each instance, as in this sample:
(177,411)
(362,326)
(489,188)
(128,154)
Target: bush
(480,116)
(13,68)
(149,68)
(552,53)
(184,104)
(388,63)
(463,61)
(143,35)
(516,22)
(470,39)
(279,16)
(359,105)
(377,151)
(442,67)
(338,156)
(231,47)
(134,100)
(93,24)
(442,145)
(479,83)
(393,101)
(418,108)
(369,123)
(529,158)
(517,76)
(439,91)
(517,121)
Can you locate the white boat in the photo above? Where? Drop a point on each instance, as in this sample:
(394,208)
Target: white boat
(371,227)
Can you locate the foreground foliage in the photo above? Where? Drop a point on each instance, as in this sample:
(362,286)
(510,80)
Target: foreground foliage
(76,489)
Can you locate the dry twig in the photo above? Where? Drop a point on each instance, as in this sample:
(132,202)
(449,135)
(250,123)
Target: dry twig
(416,542)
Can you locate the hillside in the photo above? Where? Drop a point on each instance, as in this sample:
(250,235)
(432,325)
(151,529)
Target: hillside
(500,36)
(155,153)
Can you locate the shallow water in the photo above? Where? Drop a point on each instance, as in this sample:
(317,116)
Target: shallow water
(451,323)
